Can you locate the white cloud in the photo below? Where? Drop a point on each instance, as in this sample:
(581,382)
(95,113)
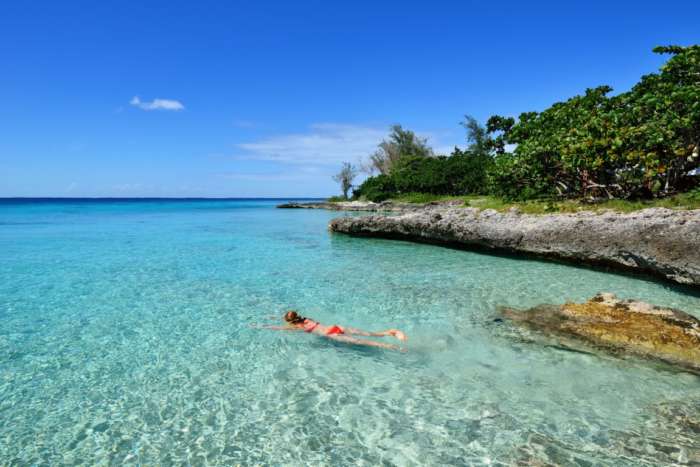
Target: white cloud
(328,144)
(324,144)
(157,104)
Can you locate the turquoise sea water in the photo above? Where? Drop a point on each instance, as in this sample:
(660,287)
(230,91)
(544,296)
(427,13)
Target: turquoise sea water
(125,338)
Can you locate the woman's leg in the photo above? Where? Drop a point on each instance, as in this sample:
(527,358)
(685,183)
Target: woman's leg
(389,332)
(356,341)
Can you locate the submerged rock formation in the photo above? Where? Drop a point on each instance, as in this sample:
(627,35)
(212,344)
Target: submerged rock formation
(662,242)
(624,326)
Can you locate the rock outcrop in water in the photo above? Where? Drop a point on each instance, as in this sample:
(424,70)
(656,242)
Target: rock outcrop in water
(619,326)
(662,242)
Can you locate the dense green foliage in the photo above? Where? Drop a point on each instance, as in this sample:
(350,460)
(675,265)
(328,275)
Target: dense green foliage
(638,144)
(462,172)
(635,145)
(377,188)
(416,170)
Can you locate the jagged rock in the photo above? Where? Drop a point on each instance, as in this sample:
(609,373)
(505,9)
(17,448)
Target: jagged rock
(622,326)
(659,241)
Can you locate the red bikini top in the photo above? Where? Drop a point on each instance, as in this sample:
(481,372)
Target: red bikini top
(311,328)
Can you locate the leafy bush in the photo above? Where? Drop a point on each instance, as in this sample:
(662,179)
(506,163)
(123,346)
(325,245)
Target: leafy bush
(377,188)
(467,172)
(462,173)
(420,174)
(638,144)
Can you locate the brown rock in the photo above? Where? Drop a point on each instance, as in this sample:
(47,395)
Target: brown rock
(625,326)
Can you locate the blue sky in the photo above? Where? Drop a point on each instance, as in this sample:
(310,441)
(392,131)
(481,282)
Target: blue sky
(268,98)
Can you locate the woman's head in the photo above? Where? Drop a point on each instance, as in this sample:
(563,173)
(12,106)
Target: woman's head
(292,317)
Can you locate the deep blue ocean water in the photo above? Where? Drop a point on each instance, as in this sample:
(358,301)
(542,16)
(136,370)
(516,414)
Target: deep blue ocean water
(126,338)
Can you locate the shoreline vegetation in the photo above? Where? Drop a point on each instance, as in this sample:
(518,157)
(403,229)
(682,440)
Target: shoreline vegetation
(635,149)
(685,201)
(682,201)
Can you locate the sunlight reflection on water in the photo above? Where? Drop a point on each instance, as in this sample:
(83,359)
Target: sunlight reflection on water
(125,338)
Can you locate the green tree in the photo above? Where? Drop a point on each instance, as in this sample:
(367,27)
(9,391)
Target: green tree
(400,143)
(477,136)
(345,177)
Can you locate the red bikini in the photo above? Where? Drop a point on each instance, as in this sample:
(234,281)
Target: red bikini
(335,329)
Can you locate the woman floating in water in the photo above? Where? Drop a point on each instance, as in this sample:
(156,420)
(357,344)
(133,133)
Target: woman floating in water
(296,322)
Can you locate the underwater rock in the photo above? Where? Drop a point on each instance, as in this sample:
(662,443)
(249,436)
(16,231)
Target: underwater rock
(662,242)
(620,326)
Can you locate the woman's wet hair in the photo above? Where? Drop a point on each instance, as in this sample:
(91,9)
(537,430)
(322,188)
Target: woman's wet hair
(292,317)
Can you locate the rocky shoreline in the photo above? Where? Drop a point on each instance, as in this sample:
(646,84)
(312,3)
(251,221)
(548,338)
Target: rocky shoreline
(368,206)
(661,242)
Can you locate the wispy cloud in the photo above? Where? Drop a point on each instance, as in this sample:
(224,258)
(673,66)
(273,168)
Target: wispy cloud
(157,104)
(327,144)
(323,144)
(298,174)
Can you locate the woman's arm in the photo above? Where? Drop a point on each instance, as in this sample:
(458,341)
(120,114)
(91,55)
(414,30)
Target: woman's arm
(280,328)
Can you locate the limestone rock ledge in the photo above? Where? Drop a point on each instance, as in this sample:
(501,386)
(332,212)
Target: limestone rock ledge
(367,206)
(663,242)
(624,326)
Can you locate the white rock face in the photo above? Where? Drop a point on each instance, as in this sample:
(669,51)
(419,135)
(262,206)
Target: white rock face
(663,242)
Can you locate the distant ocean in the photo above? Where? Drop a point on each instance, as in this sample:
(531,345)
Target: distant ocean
(126,337)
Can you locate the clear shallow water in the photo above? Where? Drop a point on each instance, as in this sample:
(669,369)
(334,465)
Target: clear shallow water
(125,338)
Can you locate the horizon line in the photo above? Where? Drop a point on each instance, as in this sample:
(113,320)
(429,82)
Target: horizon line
(157,197)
